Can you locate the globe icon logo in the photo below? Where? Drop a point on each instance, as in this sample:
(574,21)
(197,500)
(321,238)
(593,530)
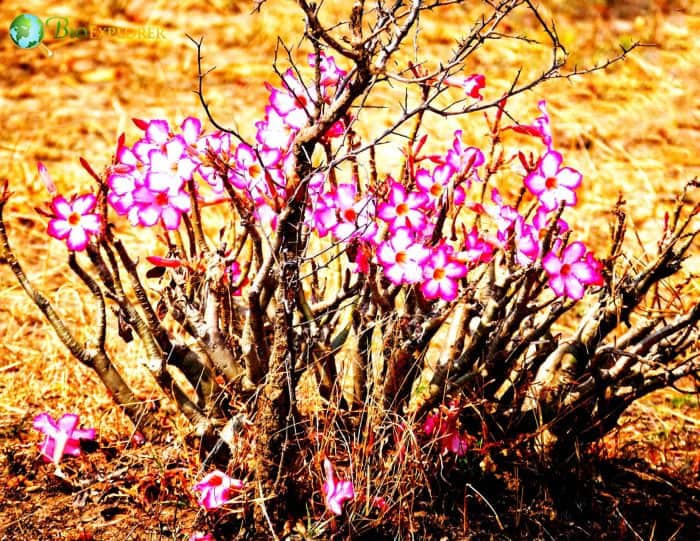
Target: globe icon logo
(26,31)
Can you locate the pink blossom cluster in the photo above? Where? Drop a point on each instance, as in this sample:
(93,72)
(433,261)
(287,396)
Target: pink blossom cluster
(571,268)
(392,227)
(395,231)
(150,181)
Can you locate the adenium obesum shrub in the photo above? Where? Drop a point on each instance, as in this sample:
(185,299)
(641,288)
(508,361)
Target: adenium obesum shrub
(357,319)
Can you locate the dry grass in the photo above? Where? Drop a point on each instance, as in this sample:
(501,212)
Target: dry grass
(634,129)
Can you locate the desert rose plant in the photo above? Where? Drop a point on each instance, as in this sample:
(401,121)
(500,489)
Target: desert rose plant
(371,304)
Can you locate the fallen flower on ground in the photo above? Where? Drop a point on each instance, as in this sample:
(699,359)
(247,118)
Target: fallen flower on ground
(216,489)
(62,436)
(201,536)
(336,492)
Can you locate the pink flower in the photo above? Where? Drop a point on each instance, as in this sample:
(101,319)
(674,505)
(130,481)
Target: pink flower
(362,259)
(273,132)
(553,184)
(296,104)
(465,161)
(569,274)
(331,74)
(170,167)
(233,276)
(527,246)
(201,536)
(62,436)
(403,209)
(216,489)
(252,168)
(380,503)
(191,129)
(74,220)
(435,185)
(541,221)
(471,85)
(441,273)
(157,131)
(344,214)
(402,258)
(125,176)
(336,492)
(151,207)
(539,128)
(477,250)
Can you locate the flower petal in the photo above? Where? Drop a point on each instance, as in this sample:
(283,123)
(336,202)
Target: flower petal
(77,239)
(84,203)
(61,207)
(59,228)
(549,166)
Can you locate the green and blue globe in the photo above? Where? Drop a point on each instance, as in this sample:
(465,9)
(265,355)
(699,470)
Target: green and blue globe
(26,31)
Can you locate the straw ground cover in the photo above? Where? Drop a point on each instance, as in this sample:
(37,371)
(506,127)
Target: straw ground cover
(632,129)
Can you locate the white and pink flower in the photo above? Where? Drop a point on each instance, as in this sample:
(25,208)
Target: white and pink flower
(217,489)
(62,437)
(74,220)
(573,271)
(552,183)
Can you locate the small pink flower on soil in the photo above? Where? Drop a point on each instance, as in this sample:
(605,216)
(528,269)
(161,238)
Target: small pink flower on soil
(74,220)
(552,183)
(336,492)
(201,536)
(380,503)
(442,425)
(570,273)
(216,489)
(62,437)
